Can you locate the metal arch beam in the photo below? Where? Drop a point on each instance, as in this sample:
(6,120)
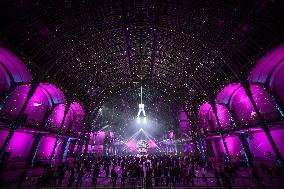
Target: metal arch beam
(129,84)
(87,39)
(155,37)
(126,35)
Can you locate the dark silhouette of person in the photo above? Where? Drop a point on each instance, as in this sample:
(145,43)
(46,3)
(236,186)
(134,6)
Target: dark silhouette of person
(22,178)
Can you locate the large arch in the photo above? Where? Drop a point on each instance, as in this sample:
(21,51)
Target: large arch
(45,98)
(79,114)
(14,67)
(207,117)
(203,118)
(269,72)
(14,82)
(267,66)
(234,97)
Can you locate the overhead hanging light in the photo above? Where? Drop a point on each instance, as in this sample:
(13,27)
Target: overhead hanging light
(141,108)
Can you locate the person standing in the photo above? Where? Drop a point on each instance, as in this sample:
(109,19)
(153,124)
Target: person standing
(113,177)
(71,177)
(123,176)
(96,172)
(22,178)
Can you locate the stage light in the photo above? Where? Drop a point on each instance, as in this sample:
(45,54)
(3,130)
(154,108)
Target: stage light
(138,119)
(144,120)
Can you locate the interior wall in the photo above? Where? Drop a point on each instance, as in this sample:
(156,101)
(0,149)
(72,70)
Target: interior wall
(234,146)
(46,146)
(20,145)
(260,145)
(278,136)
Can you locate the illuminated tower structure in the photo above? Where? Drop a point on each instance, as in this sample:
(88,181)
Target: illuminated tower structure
(141,108)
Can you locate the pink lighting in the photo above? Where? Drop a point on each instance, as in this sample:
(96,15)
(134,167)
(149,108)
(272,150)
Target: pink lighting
(20,145)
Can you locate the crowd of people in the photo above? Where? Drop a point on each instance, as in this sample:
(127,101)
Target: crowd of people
(151,170)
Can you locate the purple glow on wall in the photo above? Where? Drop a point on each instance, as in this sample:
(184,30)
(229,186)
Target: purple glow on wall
(264,102)
(46,146)
(16,101)
(224,116)
(243,108)
(208,120)
(260,145)
(56,116)
(38,106)
(204,109)
(20,145)
(279,139)
(234,146)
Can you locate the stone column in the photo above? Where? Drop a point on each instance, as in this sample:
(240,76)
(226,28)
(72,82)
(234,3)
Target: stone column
(62,150)
(245,145)
(243,139)
(214,108)
(59,131)
(66,150)
(33,152)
